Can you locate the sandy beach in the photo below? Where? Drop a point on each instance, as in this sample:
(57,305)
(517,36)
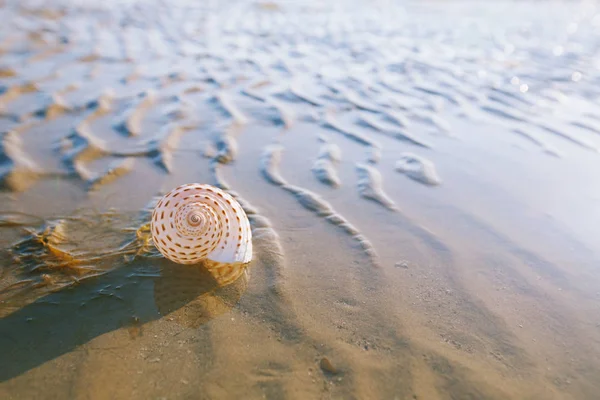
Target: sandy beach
(421,179)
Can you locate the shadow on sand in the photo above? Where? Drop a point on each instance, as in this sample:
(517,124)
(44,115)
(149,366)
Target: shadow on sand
(125,297)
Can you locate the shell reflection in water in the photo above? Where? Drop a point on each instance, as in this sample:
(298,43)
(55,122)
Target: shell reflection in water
(191,295)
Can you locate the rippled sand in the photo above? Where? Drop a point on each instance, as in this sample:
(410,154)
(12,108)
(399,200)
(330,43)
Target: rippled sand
(421,179)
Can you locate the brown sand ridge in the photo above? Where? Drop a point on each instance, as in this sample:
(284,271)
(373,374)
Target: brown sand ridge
(420,181)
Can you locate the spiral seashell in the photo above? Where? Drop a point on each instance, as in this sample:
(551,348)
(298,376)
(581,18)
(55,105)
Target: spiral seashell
(194,222)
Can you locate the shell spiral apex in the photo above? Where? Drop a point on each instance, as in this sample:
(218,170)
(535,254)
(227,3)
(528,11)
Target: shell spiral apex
(194,222)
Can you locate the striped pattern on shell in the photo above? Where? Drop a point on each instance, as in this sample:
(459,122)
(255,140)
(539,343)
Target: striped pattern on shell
(194,222)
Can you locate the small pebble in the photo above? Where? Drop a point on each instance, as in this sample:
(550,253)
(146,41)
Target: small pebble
(327,366)
(401,264)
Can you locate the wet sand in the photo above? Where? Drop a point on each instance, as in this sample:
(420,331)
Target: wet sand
(421,181)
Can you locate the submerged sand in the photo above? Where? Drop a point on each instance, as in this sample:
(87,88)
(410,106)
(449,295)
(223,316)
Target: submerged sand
(421,181)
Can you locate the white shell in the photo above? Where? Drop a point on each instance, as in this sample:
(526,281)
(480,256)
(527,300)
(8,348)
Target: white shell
(194,222)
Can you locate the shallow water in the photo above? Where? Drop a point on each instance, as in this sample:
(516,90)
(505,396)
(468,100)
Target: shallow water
(420,179)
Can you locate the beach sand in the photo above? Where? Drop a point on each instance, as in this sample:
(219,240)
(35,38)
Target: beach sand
(421,180)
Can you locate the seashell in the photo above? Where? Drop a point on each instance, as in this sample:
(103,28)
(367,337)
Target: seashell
(194,222)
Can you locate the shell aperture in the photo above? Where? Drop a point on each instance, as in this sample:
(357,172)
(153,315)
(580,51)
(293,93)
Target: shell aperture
(194,222)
